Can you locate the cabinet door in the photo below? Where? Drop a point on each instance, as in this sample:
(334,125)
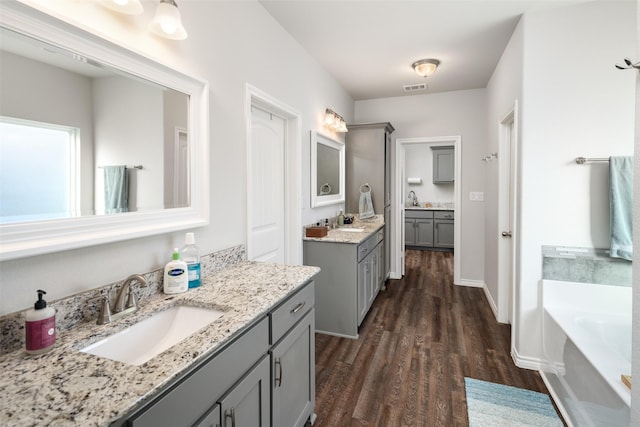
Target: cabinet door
(293,373)
(424,232)
(410,232)
(212,419)
(443,165)
(363,288)
(443,231)
(247,404)
(373,276)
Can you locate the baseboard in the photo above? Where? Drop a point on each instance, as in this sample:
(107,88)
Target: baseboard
(556,399)
(492,302)
(532,363)
(318,331)
(470,283)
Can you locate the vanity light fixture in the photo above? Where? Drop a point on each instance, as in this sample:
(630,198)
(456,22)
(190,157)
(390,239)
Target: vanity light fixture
(425,67)
(129,7)
(334,121)
(167,22)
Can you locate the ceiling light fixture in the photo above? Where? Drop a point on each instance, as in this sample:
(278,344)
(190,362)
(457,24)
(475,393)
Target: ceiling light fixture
(334,121)
(167,22)
(425,67)
(129,7)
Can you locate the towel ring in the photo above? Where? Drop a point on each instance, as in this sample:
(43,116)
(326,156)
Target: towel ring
(367,186)
(325,189)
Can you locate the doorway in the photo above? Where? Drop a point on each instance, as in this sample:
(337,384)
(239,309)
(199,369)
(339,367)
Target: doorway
(507,197)
(273,179)
(398,255)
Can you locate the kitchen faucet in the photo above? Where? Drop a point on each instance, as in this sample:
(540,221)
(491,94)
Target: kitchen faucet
(414,198)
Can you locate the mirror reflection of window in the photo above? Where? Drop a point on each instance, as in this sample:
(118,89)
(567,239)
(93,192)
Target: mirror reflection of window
(38,172)
(328,178)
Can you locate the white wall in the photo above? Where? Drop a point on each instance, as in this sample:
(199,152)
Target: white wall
(445,114)
(574,103)
(230,43)
(419,164)
(128,126)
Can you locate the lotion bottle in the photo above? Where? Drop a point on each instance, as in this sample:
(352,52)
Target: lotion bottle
(40,327)
(176,275)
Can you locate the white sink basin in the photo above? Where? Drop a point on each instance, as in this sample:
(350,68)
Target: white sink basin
(153,335)
(352,230)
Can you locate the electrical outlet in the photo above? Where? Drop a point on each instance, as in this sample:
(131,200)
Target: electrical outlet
(476,196)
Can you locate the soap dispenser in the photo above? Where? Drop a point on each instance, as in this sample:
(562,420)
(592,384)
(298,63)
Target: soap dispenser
(40,327)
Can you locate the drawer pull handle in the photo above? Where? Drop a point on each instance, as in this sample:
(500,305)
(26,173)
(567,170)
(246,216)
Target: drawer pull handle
(230,414)
(298,307)
(279,379)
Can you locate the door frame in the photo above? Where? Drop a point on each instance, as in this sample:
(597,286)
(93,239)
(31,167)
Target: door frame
(398,246)
(292,173)
(507,206)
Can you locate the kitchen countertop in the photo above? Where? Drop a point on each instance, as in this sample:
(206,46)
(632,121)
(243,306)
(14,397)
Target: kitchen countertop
(422,208)
(68,387)
(338,235)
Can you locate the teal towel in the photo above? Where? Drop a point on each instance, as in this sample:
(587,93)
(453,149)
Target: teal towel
(116,189)
(621,206)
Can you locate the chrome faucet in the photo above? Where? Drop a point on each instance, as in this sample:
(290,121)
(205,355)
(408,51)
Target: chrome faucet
(414,198)
(120,309)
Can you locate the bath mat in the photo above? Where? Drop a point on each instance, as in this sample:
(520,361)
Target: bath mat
(490,404)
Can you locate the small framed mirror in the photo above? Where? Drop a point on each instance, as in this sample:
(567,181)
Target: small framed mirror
(327,170)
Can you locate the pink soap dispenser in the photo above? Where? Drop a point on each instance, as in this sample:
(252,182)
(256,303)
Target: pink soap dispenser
(40,327)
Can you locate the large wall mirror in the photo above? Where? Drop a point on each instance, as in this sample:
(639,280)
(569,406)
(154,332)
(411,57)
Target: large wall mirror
(97,143)
(327,170)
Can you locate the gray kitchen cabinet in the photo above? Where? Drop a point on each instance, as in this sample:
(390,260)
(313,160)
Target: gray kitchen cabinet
(426,229)
(248,402)
(293,373)
(443,164)
(443,229)
(418,228)
(348,282)
(234,384)
(368,150)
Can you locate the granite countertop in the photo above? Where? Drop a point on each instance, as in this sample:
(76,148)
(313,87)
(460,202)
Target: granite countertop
(339,235)
(422,208)
(67,387)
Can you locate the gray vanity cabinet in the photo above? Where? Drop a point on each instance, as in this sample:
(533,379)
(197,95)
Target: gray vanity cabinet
(293,373)
(212,419)
(235,386)
(248,402)
(443,164)
(350,278)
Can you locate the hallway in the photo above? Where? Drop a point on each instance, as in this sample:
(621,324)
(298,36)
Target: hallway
(422,336)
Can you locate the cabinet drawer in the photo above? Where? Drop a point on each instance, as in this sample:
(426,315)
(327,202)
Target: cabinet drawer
(417,214)
(291,311)
(367,246)
(443,214)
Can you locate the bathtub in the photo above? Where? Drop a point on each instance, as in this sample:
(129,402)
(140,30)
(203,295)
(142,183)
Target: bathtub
(586,334)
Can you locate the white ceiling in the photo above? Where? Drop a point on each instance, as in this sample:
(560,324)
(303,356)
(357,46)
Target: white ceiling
(369,46)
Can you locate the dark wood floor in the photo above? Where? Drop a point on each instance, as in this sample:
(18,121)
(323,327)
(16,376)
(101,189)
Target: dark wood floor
(422,336)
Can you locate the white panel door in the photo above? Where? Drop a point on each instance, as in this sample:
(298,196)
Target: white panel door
(266,211)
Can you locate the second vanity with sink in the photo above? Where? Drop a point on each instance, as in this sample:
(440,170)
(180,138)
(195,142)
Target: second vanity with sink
(240,351)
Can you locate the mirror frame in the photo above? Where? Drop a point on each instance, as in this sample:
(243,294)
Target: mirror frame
(330,199)
(19,240)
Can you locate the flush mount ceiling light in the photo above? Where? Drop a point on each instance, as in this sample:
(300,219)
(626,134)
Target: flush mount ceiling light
(129,7)
(167,22)
(425,67)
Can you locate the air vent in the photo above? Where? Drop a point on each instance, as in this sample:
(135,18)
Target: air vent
(411,88)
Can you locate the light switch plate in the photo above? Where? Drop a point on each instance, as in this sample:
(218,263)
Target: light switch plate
(476,196)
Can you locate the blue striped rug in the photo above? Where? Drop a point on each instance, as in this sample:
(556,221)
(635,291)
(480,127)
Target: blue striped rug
(490,404)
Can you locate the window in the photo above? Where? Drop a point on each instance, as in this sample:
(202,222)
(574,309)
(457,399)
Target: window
(39,171)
